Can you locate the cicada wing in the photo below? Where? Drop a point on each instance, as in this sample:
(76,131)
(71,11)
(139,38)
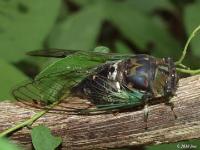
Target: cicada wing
(39,93)
(30,95)
(47,89)
(40,90)
(57,80)
(61,53)
(57,53)
(102,90)
(62,75)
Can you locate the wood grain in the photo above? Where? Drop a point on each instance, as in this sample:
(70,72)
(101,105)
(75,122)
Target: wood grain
(124,129)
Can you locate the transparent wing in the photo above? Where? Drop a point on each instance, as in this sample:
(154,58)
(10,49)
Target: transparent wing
(48,89)
(57,53)
(102,90)
(61,53)
(57,80)
(38,93)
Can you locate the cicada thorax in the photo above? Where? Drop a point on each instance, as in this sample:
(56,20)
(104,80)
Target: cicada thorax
(102,83)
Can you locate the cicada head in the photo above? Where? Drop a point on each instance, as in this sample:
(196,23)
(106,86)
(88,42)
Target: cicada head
(154,76)
(172,78)
(165,78)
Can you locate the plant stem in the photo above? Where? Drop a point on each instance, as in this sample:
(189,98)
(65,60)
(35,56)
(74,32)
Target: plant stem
(27,122)
(187,44)
(183,66)
(192,72)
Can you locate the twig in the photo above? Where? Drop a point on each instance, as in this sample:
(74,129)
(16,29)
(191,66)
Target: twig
(192,72)
(27,122)
(194,32)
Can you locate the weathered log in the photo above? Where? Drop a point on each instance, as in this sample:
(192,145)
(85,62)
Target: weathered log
(124,129)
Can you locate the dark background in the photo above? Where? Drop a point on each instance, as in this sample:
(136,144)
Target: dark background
(156,27)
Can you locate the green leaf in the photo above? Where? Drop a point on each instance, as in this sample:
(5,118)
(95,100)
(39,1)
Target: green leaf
(42,139)
(10,77)
(78,31)
(7,145)
(142,29)
(149,6)
(121,47)
(25,25)
(102,49)
(192,20)
(85,2)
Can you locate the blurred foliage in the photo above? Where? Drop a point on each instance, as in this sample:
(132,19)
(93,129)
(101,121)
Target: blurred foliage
(191,20)
(159,28)
(78,31)
(24,25)
(156,27)
(9,77)
(7,145)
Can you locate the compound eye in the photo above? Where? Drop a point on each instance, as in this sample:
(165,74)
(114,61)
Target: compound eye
(138,82)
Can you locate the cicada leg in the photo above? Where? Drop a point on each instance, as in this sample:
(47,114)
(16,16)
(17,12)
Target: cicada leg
(146,97)
(146,113)
(115,113)
(172,107)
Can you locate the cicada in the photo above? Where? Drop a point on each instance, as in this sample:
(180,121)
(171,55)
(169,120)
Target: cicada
(110,82)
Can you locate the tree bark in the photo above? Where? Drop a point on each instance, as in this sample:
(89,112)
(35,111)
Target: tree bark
(119,130)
